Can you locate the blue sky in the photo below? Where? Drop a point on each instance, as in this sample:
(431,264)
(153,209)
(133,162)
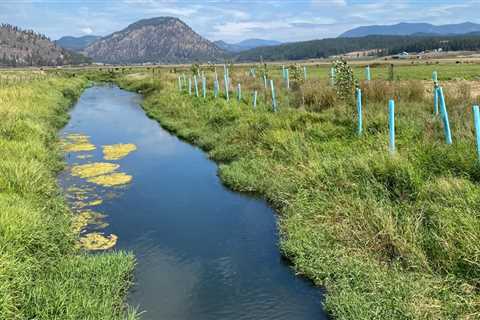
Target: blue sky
(233,20)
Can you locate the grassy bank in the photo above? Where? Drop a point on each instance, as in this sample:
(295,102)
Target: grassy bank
(42,273)
(389,236)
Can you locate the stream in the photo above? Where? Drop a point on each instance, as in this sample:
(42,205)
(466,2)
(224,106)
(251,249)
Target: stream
(203,251)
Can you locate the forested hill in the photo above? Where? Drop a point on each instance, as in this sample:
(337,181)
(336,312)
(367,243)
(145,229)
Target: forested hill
(404,29)
(335,46)
(159,40)
(21,48)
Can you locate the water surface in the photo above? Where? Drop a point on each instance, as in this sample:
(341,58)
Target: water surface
(203,252)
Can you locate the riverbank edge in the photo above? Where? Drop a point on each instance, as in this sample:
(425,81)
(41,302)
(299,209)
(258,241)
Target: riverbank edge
(358,285)
(44,275)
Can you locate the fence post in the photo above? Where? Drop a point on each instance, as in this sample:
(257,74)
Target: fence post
(476,120)
(255,99)
(359,111)
(444,115)
(391,117)
(274,100)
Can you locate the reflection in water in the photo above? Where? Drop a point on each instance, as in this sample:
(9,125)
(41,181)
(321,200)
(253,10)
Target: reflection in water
(203,251)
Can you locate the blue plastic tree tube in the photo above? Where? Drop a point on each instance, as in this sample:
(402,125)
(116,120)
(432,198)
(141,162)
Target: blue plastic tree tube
(359,112)
(225,75)
(189,86)
(195,83)
(367,73)
(305,73)
(239,92)
(255,99)
(287,79)
(179,84)
(265,81)
(435,100)
(274,100)
(476,121)
(391,118)
(444,115)
(434,76)
(332,76)
(204,87)
(215,88)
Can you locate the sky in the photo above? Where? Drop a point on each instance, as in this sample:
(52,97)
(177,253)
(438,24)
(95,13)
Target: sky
(233,20)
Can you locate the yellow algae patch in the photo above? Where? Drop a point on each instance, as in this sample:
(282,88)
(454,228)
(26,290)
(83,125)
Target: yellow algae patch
(77,143)
(95,202)
(83,204)
(118,151)
(97,241)
(93,169)
(111,180)
(88,218)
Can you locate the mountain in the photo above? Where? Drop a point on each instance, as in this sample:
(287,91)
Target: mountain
(245,44)
(76,43)
(378,44)
(21,48)
(403,29)
(160,40)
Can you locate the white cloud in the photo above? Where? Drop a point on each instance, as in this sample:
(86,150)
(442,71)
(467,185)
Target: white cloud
(247,28)
(86,30)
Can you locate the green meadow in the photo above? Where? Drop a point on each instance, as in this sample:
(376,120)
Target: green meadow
(43,274)
(390,236)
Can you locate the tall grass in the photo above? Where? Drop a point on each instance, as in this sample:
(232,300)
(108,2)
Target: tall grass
(42,273)
(389,236)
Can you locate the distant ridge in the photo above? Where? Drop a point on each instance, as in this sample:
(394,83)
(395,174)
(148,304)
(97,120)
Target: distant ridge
(76,43)
(156,40)
(382,45)
(246,44)
(404,29)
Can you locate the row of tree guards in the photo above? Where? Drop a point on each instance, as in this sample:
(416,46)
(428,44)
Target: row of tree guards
(439,105)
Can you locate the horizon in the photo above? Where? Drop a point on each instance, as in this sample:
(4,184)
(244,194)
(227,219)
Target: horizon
(231,21)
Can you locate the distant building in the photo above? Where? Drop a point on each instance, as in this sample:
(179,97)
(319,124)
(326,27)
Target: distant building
(402,55)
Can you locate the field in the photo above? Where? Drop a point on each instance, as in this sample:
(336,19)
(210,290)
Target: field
(43,275)
(389,235)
